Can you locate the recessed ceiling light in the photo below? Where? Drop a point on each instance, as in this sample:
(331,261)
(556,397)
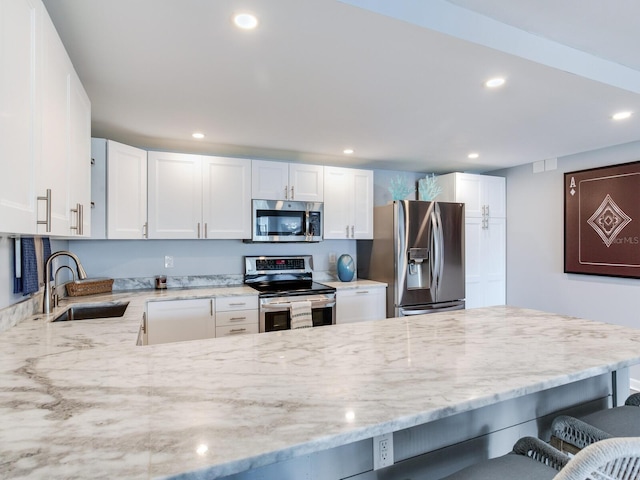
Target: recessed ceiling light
(348,151)
(473,155)
(494,82)
(246,21)
(621,115)
(197,135)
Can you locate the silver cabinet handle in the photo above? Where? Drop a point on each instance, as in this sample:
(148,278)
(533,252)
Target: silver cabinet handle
(145,230)
(236,319)
(211,307)
(237,330)
(353,228)
(347,231)
(292,197)
(78,212)
(198,229)
(286,192)
(206,230)
(81,224)
(144,322)
(237,304)
(47,222)
(359,292)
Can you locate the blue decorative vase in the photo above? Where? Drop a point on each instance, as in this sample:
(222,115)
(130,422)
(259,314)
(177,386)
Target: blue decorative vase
(346,268)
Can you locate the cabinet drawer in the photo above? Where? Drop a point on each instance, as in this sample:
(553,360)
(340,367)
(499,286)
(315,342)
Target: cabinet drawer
(236,317)
(246,302)
(236,330)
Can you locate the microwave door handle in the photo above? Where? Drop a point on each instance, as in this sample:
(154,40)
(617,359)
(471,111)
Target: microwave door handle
(307,226)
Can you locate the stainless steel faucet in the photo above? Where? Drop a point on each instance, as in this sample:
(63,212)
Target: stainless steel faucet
(48,296)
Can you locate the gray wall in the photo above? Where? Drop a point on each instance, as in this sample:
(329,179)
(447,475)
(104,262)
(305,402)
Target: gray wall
(535,247)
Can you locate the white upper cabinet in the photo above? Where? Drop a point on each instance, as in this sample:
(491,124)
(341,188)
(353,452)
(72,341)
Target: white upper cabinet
(19,22)
(194,196)
(44,128)
(126,184)
(287,181)
(175,196)
(79,157)
(348,205)
(226,207)
(54,167)
(483,195)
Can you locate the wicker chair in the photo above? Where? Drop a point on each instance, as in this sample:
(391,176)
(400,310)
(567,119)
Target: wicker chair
(531,459)
(571,434)
(610,459)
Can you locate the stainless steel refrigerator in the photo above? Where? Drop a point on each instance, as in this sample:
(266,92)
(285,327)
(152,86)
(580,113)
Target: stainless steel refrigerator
(418,250)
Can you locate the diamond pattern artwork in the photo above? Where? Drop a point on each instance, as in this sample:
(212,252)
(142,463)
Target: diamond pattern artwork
(608,220)
(602,221)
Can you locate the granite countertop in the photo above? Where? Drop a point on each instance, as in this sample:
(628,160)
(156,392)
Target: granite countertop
(80,399)
(355,284)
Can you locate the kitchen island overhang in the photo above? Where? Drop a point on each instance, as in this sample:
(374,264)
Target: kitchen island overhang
(77,403)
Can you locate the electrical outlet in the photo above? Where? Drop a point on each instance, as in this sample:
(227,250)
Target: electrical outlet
(332,258)
(168,261)
(382,451)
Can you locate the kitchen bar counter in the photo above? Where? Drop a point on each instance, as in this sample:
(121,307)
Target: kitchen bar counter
(81,400)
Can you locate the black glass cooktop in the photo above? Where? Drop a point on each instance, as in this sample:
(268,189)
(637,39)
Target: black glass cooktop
(291,287)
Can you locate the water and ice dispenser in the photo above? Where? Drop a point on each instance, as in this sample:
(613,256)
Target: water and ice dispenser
(418,271)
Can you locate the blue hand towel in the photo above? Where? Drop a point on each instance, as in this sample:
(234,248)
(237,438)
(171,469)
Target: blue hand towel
(29,266)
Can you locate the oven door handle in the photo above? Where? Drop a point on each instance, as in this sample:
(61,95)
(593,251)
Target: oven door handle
(275,306)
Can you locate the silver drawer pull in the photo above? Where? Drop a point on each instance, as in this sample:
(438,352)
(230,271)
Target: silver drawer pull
(362,291)
(235,319)
(237,304)
(237,330)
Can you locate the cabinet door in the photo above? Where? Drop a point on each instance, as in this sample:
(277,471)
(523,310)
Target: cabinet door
(495,196)
(19,22)
(269,180)
(226,197)
(127,191)
(80,157)
(53,172)
(306,182)
(180,320)
(362,226)
(359,305)
(338,203)
(474,262)
(494,268)
(485,262)
(98,188)
(175,196)
(470,191)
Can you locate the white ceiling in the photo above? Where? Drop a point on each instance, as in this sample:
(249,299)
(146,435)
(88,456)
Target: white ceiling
(400,82)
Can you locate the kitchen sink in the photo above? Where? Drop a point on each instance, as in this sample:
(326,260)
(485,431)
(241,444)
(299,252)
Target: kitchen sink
(87,312)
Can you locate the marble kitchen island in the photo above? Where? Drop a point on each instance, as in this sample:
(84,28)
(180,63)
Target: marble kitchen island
(81,400)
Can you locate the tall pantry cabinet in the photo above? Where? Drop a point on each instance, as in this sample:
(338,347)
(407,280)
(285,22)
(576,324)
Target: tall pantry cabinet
(44,128)
(484,197)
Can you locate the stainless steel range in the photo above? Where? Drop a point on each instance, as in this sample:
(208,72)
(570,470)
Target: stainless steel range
(284,280)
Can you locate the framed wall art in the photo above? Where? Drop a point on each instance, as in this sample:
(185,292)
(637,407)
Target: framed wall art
(602,221)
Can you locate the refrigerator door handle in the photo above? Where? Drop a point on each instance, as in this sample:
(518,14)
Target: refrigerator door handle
(437,245)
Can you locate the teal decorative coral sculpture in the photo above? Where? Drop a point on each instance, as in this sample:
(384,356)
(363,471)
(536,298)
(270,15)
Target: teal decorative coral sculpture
(400,188)
(429,188)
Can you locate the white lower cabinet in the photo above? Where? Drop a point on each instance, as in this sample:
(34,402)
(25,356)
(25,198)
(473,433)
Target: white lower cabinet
(180,320)
(236,315)
(360,304)
(194,319)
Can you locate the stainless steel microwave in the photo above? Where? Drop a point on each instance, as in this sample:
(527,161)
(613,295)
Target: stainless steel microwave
(286,221)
